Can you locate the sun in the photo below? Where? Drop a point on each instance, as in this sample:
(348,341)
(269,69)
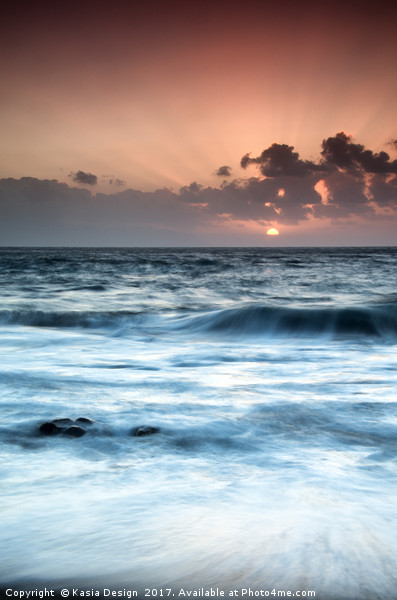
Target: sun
(272,231)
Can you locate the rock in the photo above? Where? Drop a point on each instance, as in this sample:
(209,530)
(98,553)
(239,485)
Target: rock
(144,430)
(50,428)
(62,422)
(78,427)
(74,431)
(66,426)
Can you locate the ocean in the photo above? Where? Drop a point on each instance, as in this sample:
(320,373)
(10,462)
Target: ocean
(217,419)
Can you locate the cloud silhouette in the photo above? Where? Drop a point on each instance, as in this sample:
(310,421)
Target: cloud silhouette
(85,178)
(350,182)
(342,152)
(279,160)
(338,151)
(224,171)
(117,181)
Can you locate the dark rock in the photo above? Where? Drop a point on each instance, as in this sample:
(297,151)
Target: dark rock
(67,426)
(144,430)
(63,422)
(49,429)
(74,431)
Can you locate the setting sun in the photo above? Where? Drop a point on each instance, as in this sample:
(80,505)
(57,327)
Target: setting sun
(272,231)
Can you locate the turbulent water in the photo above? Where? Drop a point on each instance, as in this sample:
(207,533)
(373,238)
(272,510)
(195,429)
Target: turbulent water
(271,375)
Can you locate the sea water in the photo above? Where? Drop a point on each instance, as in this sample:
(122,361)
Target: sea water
(271,376)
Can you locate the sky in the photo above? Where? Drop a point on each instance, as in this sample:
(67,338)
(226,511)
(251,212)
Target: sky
(198,123)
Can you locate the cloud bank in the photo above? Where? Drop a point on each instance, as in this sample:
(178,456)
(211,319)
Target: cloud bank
(349,183)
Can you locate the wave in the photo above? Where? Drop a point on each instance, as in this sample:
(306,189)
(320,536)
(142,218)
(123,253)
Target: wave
(378,321)
(71,319)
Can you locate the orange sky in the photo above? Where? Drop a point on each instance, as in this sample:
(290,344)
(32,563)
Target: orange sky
(163,94)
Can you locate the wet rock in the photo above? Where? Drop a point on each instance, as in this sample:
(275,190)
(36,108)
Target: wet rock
(62,422)
(85,421)
(50,428)
(74,431)
(144,430)
(71,427)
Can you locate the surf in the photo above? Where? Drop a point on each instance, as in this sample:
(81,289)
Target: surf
(332,322)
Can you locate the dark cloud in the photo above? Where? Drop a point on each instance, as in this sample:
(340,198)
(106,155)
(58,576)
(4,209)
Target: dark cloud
(118,182)
(340,151)
(280,160)
(52,213)
(246,160)
(85,178)
(351,183)
(347,196)
(190,192)
(224,171)
(392,143)
(112,180)
(384,191)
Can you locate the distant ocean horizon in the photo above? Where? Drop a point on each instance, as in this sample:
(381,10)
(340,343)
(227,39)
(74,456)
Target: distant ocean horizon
(271,246)
(199,418)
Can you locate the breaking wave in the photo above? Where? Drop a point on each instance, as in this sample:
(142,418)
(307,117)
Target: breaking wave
(376,321)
